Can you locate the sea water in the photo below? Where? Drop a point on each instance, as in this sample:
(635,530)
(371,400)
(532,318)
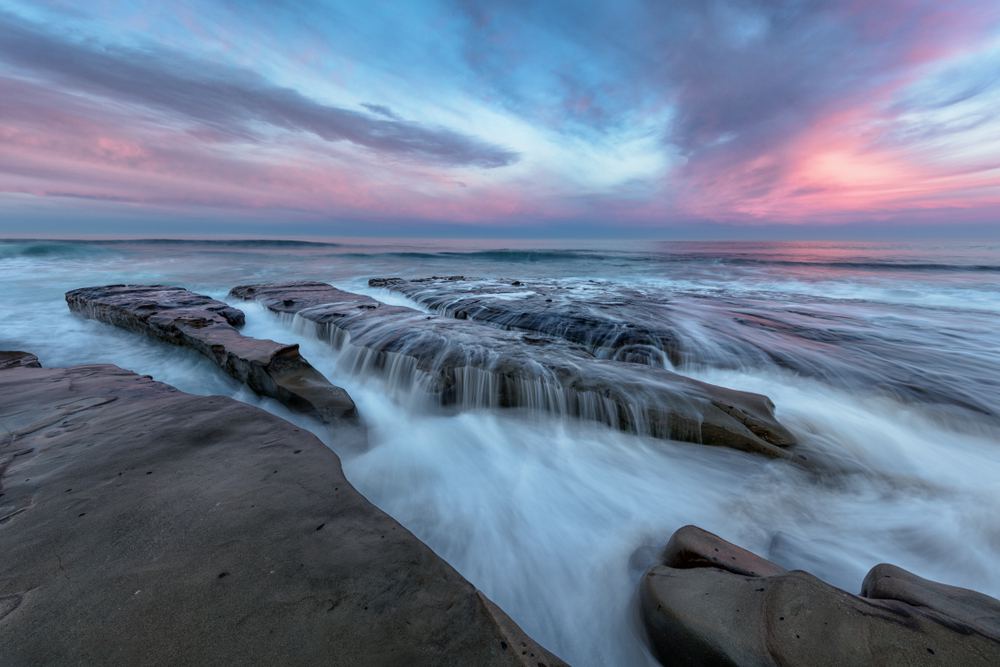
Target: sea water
(882,358)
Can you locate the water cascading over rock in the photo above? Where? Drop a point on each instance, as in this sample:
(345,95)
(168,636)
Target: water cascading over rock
(516,306)
(474,366)
(680,329)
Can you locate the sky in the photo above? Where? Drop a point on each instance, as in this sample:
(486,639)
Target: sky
(696,119)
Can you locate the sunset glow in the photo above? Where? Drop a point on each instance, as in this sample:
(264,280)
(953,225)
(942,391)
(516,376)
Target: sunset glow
(338,119)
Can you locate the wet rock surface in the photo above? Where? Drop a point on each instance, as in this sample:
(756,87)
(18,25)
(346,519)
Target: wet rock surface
(600,325)
(473,365)
(143,525)
(691,546)
(681,328)
(890,582)
(711,602)
(175,315)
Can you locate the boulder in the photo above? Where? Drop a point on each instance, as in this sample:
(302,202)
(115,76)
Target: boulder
(175,315)
(472,365)
(691,546)
(889,582)
(18,359)
(143,525)
(711,603)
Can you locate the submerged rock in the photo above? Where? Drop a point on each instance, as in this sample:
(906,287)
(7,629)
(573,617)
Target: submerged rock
(599,326)
(472,365)
(143,525)
(18,359)
(192,320)
(676,327)
(710,602)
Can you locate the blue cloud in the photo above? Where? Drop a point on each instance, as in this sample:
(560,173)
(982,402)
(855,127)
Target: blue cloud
(228,99)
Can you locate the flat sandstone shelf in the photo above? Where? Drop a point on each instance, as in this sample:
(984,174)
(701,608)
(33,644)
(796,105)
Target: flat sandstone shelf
(143,525)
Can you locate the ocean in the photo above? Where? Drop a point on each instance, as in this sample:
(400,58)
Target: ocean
(882,358)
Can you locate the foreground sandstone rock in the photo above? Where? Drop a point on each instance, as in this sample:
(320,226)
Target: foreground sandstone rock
(142,525)
(463,363)
(712,603)
(181,317)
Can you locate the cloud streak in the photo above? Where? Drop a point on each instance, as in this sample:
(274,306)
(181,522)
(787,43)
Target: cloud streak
(230,100)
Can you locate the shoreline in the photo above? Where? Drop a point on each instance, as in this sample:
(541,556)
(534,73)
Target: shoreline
(145,525)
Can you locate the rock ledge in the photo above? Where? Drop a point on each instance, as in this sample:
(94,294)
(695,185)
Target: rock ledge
(192,320)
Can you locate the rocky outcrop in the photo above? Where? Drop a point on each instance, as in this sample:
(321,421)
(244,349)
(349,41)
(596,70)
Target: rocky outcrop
(181,317)
(676,327)
(601,327)
(978,611)
(467,364)
(710,602)
(143,525)
(18,359)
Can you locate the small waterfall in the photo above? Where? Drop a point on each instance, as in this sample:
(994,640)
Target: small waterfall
(468,386)
(829,341)
(473,366)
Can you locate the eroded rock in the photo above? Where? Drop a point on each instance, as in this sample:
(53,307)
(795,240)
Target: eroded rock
(143,525)
(691,546)
(472,365)
(711,602)
(890,582)
(677,328)
(601,326)
(192,320)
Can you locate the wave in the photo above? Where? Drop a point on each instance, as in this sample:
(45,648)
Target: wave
(45,249)
(889,264)
(512,256)
(530,256)
(42,249)
(535,255)
(67,247)
(235,243)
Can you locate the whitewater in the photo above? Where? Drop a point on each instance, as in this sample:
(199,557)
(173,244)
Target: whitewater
(883,359)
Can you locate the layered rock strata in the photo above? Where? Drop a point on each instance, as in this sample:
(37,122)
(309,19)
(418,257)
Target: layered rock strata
(175,315)
(471,365)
